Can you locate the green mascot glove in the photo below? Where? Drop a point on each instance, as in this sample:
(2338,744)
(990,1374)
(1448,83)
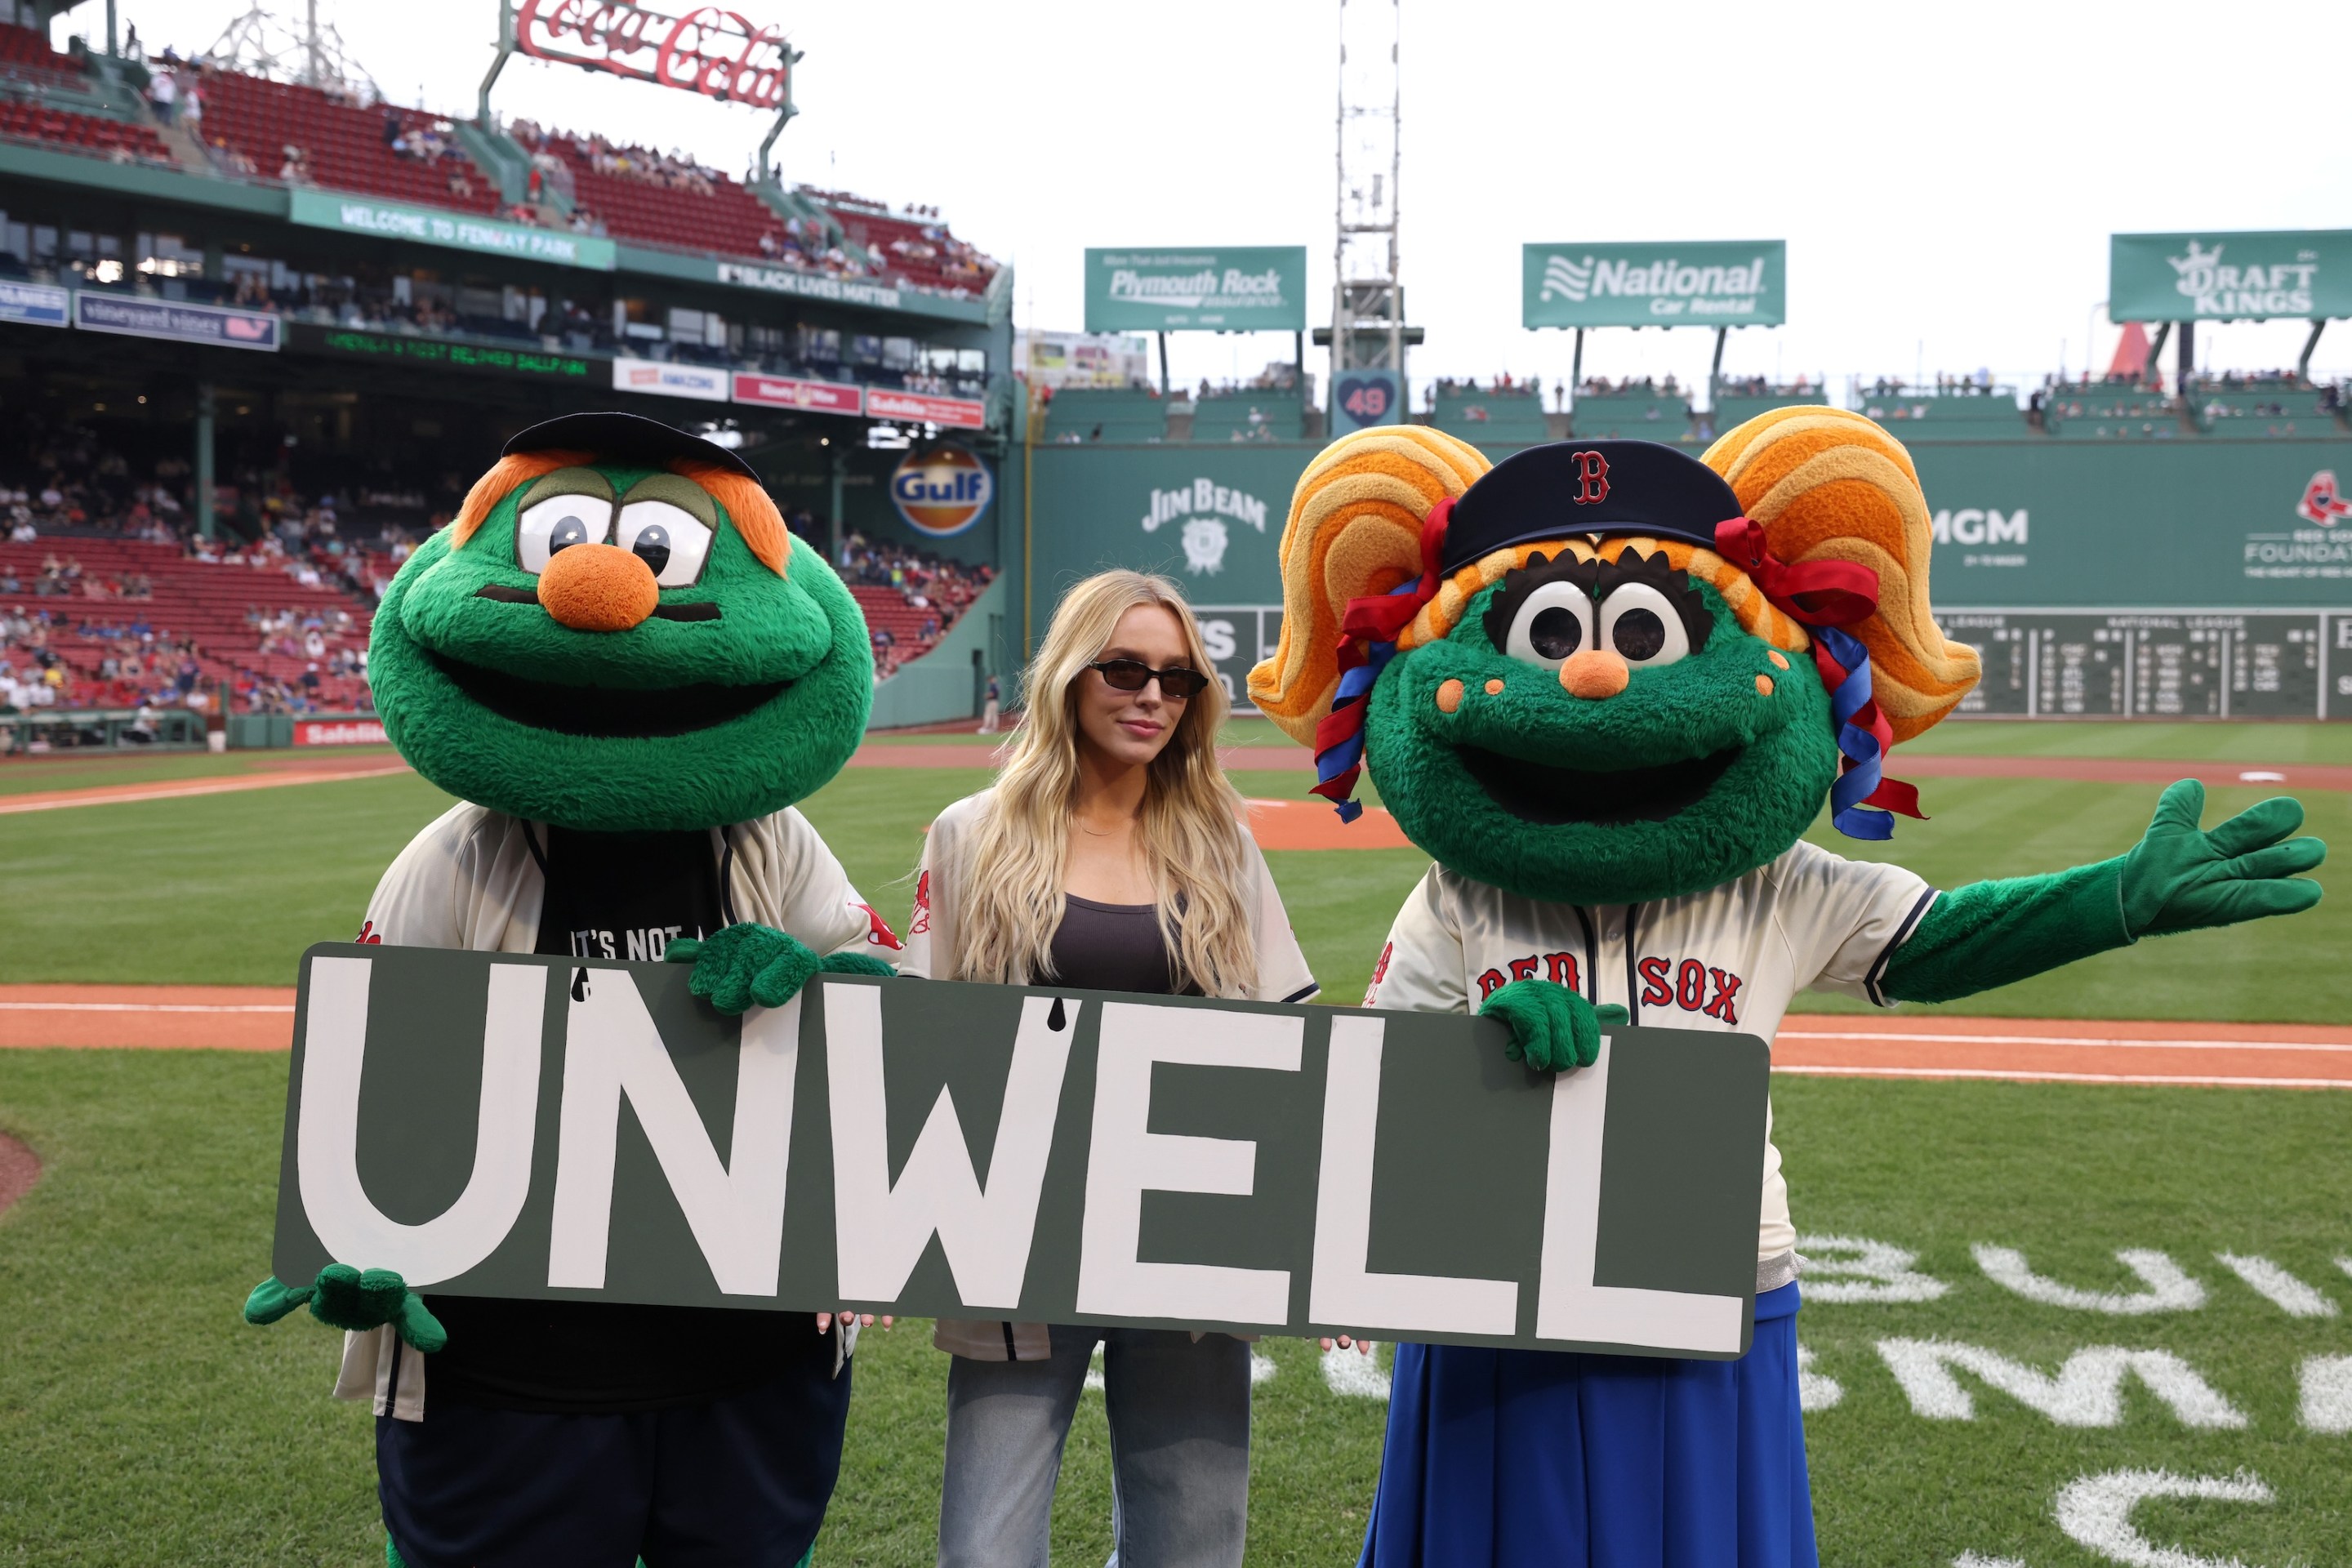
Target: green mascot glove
(2179,877)
(345,1298)
(1552,1028)
(747,964)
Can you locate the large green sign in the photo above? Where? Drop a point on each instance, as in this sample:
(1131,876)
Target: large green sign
(1256,289)
(2185,524)
(1209,516)
(1706,283)
(2230,277)
(979,1150)
(458,231)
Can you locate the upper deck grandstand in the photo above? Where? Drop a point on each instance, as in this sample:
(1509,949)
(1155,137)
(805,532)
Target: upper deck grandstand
(136,570)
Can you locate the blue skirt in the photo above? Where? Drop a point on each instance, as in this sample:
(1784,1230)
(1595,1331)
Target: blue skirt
(1499,1458)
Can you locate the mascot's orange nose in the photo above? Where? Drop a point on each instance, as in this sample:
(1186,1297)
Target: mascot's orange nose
(1596,672)
(598,588)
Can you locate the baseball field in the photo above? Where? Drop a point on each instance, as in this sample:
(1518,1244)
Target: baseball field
(2055,1317)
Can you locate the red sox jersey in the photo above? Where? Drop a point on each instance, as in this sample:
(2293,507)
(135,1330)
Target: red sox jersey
(1731,958)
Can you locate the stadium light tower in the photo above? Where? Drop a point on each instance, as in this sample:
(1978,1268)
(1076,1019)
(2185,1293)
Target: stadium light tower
(1368,329)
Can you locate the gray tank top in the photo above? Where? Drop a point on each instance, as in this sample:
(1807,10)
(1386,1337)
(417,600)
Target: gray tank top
(1114,947)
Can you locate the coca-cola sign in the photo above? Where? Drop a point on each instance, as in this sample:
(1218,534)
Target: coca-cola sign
(708,51)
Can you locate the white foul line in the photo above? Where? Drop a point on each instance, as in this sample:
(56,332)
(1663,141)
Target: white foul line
(2101,1042)
(2025,1074)
(146,1007)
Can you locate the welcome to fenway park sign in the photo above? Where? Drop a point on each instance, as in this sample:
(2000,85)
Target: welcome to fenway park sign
(495,1124)
(710,51)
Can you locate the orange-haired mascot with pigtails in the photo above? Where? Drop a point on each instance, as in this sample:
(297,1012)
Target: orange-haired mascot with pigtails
(1608,687)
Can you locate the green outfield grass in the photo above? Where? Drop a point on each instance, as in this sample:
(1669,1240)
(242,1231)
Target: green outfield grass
(147,1424)
(228,889)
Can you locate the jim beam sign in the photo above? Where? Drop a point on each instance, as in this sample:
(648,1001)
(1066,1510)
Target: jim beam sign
(538,1128)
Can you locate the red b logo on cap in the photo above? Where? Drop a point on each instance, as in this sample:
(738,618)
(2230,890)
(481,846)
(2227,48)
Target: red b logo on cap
(1591,477)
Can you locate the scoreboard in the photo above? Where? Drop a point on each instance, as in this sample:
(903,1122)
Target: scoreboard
(2157,663)
(2055,664)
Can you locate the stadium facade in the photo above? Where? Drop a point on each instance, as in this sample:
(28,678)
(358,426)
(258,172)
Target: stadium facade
(361,316)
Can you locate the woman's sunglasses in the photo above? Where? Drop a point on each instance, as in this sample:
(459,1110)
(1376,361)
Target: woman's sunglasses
(1134,675)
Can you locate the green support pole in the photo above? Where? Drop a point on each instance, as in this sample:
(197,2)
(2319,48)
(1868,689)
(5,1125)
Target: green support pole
(205,523)
(840,475)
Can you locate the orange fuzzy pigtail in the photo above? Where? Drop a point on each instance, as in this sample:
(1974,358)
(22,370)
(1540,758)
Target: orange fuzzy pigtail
(1828,485)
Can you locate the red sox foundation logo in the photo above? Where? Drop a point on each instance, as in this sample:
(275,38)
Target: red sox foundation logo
(1592,477)
(2323,503)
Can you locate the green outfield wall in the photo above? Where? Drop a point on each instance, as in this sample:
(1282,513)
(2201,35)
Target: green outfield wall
(2178,579)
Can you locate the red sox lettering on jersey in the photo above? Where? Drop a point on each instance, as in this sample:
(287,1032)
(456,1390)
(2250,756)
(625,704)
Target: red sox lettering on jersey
(1687,983)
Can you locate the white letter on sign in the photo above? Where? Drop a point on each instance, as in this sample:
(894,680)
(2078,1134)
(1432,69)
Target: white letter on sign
(735,1210)
(350,1227)
(1343,1293)
(881,1229)
(1126,1160)
(1569,1305)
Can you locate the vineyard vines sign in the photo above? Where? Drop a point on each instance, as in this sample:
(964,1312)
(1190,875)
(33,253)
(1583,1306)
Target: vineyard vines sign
(713,52)
(546,1128)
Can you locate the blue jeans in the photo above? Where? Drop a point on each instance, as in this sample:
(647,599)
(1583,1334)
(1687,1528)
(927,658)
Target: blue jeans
(1180,1412)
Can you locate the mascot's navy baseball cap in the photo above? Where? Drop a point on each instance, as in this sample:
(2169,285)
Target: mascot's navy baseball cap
(1587,487)
(626,438)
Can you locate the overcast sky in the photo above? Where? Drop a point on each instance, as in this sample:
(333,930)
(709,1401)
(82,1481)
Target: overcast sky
(1945,174)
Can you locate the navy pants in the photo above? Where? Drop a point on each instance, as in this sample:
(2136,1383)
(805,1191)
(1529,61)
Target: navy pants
(739,1481)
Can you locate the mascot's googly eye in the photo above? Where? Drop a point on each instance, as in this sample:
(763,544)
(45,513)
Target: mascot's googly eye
(1640,627)
(665,539)
(558,523)
(1551,623)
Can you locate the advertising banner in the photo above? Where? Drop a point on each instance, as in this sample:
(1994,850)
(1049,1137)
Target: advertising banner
(710,51)
(2177,524)
(36,304)
(338,732)
(1150,1162)
(533,365)
(1227,290)
(809,396)
(961,413)
(1084,359)
(458,231)
(139,318)
(1701,283)
(941,491)
(1210,515)
(1237,638)
(2230,277)
(659,378)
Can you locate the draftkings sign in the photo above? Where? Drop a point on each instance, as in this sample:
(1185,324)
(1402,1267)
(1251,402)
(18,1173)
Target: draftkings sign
(1707,283)
(492,1124)
(2304,273)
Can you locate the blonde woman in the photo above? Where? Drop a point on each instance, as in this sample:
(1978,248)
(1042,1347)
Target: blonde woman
(1111,854)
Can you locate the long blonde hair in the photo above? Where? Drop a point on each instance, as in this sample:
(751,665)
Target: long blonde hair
(1010,893)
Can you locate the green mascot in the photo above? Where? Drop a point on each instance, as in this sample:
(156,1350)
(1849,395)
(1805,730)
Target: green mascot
(1608,687)
(627,670)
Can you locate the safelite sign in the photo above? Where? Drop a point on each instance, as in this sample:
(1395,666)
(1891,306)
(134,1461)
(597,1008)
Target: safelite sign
(961,413)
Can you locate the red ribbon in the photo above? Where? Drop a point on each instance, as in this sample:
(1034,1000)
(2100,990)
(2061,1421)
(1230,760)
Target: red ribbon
(1815,592)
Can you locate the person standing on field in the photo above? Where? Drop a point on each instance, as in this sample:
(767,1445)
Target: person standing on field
(989,710)
(1111,854)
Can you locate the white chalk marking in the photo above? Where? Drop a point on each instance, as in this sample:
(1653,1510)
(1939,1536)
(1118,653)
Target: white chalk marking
(1873,1272)
(2095,1513)
(2325,1381)
(2283,1290)
(1815,1390)
(2087,1391)
(2166,1288)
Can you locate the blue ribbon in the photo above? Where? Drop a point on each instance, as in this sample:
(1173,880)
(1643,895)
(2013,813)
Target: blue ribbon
(1860,781)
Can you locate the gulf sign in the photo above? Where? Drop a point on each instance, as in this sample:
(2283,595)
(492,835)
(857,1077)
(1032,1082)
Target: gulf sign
(941,491)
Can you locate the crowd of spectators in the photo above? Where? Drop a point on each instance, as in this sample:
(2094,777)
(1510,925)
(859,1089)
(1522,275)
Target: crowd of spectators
(936,588)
